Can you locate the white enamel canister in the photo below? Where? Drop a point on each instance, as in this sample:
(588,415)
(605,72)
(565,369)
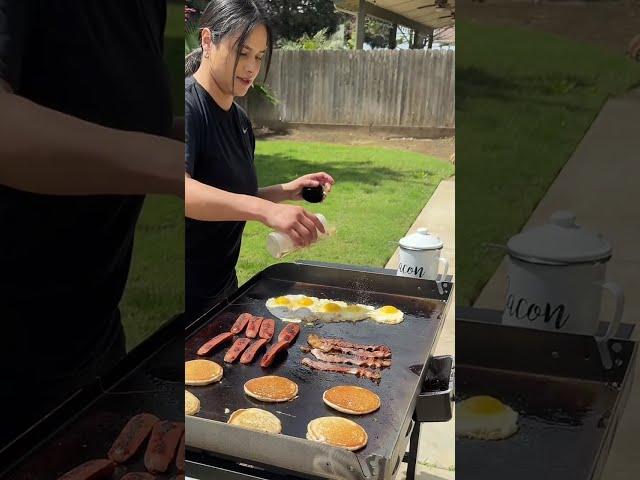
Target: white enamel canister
(556,278)
(420,256)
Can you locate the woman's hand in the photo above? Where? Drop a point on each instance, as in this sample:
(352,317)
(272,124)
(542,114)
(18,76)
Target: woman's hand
(294,187)
(294,221)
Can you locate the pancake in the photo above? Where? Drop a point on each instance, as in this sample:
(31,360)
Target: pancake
(337,431)
(351,399)
(271,388)
(191,403)
(256,419)
(201,372)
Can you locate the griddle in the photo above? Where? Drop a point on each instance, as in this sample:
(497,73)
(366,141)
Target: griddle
(569,403)
(424,304)
(150,379)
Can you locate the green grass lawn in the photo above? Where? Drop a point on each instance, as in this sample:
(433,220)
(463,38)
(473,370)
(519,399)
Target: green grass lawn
(524,100)
(155,289)
(377,196)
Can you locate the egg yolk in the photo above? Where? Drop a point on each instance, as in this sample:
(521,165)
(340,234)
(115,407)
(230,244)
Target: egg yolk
(389,309)
(305,301)
(331,307)
(484,404)
(282,301)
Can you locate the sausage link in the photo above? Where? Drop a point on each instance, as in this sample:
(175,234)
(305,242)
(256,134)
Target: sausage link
(240,323)
(180,455)
(267,329)
(254,327)
(250,353)
(289,333)
(215,342)
(134,433)
(270,356)
(236,349)
(164,440)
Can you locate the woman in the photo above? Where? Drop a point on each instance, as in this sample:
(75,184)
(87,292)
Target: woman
(221,187)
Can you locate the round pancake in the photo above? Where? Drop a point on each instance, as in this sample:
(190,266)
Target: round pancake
(191,403)
(201,372)
(256,419)
(351,399)
(337,431)
(271,388)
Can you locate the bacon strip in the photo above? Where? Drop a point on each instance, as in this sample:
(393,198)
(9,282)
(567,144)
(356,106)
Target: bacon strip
(337,368)
(338,345)
(358,361)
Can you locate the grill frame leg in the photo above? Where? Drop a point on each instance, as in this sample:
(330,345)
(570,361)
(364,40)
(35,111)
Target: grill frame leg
(411,457)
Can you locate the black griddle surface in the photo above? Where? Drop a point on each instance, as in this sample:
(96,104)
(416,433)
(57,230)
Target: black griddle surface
(411,342)
(156,387)
(561,425)
(566,400)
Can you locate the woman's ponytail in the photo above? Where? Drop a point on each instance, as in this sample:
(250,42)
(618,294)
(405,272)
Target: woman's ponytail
(192,62)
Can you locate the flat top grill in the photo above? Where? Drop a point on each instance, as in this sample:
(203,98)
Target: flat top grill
(149,380)
(411,342)
(568,404)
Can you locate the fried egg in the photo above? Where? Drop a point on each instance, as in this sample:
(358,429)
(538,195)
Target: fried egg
(355,312)
(297,308)
(329,310)
(485,418)
(387,314)
(292,307)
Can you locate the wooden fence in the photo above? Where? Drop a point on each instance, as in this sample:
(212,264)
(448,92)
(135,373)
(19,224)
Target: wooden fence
(387,88)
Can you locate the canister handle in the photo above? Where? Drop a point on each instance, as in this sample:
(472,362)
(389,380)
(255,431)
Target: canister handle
(618,294)
(446,268)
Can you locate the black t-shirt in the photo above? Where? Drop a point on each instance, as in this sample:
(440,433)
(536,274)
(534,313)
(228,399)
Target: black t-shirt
(64,260)
(219,152)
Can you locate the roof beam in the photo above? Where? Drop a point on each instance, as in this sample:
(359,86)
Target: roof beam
(388,15)
(360,24)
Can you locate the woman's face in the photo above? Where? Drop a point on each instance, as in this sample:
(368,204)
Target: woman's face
(222,59)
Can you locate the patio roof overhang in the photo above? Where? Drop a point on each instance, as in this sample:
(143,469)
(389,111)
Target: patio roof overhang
(422,16)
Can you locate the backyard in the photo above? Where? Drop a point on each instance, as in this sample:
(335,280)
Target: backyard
(520,122)
(377,196)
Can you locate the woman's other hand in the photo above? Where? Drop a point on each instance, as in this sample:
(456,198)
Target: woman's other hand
(294,221)
(294,187)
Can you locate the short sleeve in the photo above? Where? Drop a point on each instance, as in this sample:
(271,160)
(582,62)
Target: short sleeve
(12,35)
(193,124)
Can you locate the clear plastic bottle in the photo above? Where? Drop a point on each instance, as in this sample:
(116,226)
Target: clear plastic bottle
(279,244)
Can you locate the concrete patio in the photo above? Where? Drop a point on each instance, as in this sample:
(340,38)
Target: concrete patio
(436,451)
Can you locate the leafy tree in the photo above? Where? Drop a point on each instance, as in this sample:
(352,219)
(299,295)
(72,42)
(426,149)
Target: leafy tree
(293,19)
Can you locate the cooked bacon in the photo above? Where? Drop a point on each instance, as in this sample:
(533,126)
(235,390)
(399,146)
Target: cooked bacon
(338,368)
(360,353)
(358,361)
(327,345)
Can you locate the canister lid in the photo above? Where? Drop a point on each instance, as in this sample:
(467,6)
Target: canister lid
(421,240)
(559,241)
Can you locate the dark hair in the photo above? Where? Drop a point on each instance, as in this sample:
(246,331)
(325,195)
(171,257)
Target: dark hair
(227,17)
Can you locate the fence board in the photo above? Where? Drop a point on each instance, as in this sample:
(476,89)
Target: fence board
(401,88)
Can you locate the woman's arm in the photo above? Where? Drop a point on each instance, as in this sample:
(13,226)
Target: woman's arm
(48,152)
(293,189)
(206,203)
